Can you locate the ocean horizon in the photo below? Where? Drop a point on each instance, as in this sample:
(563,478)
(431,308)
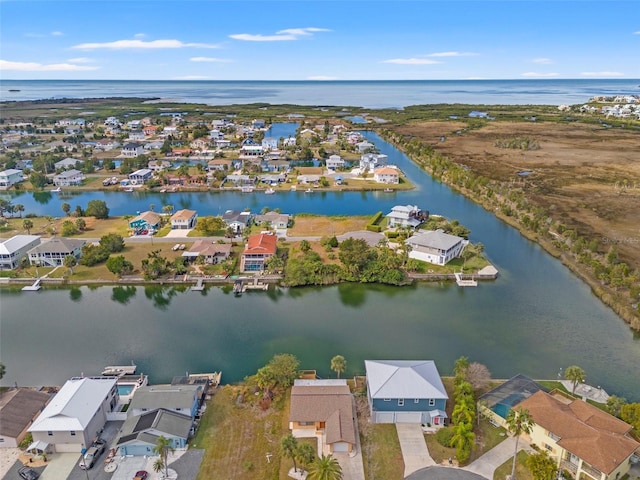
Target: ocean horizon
(355,93)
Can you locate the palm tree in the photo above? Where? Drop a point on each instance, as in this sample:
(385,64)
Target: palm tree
(325,468)
(464,440)
(576,375)
(27,225)
(162,448)
(338,364)
(289,447)
(305,454)
(519,421)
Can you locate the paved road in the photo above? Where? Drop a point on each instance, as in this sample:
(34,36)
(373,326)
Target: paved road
(487,463)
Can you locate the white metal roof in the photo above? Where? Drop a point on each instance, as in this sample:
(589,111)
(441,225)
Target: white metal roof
(16,242)
(73,407)
(404,379)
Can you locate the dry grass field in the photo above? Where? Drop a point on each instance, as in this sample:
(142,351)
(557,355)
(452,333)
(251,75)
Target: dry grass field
(317,226)
(586,175)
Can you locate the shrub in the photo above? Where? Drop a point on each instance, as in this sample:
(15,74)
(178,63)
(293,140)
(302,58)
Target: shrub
(444,436)
(374,228)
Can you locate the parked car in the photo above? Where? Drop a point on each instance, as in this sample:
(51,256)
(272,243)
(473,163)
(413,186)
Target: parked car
(100,445)
(89,458)
(28,473)
(141,475)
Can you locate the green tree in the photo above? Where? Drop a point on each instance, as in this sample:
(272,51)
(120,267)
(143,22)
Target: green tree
(66,208)
(542,466)
(38,179)
(27,225)
(615,404)
(355,254)
(576,375)
(285,368)
(70,261)
(3,370)
(338,364)
(519,421)
(163,448)
(305,454)
(463,440)
(92,255)
(119,266)
(305,246)
(289,447)
(98,209)
(460,369)
(168,209)
(68,228)
(112,242)
(154,265)
(630,413)
(325,468)
(19,208)
(81,224)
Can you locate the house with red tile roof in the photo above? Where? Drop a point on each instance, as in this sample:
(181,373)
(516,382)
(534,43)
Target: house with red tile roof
(258,250)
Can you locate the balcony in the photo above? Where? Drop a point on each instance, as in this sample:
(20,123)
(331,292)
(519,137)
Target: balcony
(571,467)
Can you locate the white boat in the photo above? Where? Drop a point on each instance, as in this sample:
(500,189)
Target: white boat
(246,189)
(269,191)
(119,370)
(130,189)
(308,190)
(57,189)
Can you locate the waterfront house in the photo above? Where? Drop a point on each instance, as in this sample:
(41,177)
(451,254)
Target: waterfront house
(136,136)
(184,219)
(364,146)
(158,165)
(249,152)
(273,179)
(131,150)
(148,220)
(273,220)
(335,162)
(405,391)
(135,124)
(258,123)
(586,441)
(51,253)
(150,130)
(10,177)
(75,415)
(258,250)
(140,177)
(182,399)
(219,164)
(67,163)
(323,409)
(215,135)
(435,246)
(386,175)
(155,145)
(200,144)
(496,403)
(212,253)
(308,179)
(19,407)
(370,161)
(238,221)
(139,434)
(68,178)
(269,143)
(107,144)
(406,216)
(14,249)
(240,180)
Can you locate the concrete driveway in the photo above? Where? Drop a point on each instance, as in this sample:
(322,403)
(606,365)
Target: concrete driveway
(487,463)
(414,447)
(60,466)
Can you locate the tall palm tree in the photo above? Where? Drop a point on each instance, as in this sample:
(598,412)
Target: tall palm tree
(464,440)
(305,454)
(325,468)
(338,364)
(289,448)
(519,421)
(163,448)
(576,375)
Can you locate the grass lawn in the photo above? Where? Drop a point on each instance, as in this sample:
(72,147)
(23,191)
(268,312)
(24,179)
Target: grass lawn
(487,437)
(522,472)
(439,453)
(323,226)
(237,438)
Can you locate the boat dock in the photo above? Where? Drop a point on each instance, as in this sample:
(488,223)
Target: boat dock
(465,283)
(119,370)
(198,287)
(32,288)
(256,285)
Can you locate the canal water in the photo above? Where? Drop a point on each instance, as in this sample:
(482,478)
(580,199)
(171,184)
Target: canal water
(535,319)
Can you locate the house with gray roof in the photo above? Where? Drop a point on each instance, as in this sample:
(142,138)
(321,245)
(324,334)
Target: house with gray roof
(406,216)
(140,433)
(10,177)
(238,221)
(272,219)
(182,399)
(68,178)
(18,409)
(14,249)
(405,391)
(76,413)
(67,163)
(52,252)
(435,246)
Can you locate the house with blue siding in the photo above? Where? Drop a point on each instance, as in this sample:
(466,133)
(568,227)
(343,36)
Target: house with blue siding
(140,433)
(182,399)
(405,391)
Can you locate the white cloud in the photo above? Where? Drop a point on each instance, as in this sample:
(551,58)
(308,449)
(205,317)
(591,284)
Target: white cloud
(57,33)
(285,35)
(140,44)
(139,35)
(81,60)
(452,54)
(411,61)
(39,67)
(191,77)
(322,77)
(542,61)
(538,74)
(210,60)
(637,33)
(602,74)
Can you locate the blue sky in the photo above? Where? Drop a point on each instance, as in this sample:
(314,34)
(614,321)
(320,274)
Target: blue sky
(319,39)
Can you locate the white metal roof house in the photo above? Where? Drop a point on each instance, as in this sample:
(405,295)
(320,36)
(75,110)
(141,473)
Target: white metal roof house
(435,246)
(15,248)
(68,178)
(68,163)
(10,177)
(76,414)
(405,391)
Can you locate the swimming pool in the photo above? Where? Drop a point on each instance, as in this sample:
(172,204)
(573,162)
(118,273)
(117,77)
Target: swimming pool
(125,389)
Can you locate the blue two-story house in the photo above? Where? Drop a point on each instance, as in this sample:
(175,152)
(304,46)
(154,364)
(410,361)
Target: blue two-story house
(405,391)
(140,433)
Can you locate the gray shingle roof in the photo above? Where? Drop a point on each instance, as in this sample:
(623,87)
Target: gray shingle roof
(434,239)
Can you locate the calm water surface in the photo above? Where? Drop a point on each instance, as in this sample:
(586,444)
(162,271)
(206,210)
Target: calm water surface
(536,318)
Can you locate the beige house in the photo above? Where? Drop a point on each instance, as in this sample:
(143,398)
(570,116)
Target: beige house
(212,253)
(323,409)
(183,219)
(386,175)
(584,440)
(18,408)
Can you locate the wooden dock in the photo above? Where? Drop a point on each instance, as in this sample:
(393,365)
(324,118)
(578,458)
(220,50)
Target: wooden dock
(32,288)
(465,283)
(256,285)
(198,287)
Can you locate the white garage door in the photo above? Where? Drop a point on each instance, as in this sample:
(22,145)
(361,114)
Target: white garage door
(384,417)
(408,417)
(69,448)
(340,447)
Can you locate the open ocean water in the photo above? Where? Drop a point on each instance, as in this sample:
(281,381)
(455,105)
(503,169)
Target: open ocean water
(367,94)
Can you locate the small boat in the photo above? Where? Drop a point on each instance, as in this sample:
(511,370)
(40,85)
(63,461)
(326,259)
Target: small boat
(269,191)
(56,190)
(130,189)
(308,190)
(119,370)
(237,288)
(14,90)
(387,190)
